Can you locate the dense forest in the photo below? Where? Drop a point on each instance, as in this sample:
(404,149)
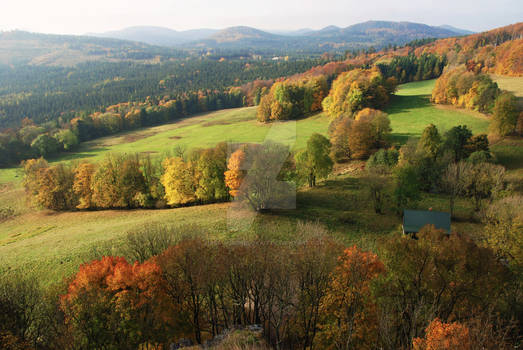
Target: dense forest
(91,104)
(55,94)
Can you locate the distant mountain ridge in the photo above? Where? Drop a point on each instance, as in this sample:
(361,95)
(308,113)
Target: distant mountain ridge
(19,47)
(157,35)
(457,30)
(150,44)
(377,33)
(361,35)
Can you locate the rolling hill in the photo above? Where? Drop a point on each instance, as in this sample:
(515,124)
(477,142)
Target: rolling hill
(331,38)
(19,47)
(157,35)
(371,33)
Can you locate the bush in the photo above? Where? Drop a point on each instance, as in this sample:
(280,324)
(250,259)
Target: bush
(384,158)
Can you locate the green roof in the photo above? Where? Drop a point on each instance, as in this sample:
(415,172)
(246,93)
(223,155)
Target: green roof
(414,220)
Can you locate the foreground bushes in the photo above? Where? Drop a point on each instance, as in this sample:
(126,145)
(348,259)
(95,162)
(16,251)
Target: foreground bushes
(309,292)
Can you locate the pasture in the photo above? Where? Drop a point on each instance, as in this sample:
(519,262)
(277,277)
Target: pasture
(52,245)
(410,111)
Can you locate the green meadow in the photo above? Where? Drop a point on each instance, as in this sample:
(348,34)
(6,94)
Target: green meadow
(410,111)
(52,245)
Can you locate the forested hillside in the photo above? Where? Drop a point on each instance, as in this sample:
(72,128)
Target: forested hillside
(44,93)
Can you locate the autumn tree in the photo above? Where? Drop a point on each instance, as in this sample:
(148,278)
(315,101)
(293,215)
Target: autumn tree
(436,275)
(504,229)
(350,319)
(444,336)
(314,162)
(464,88)
(133,188)
(357,89)
(32,169)
(113,304)
(339,138)
(83,175)
(358,137)
(362,139)
(55,188)
(118,183)
(478,332)
(292,98)
(178,181)
(236,171)
(259,174)
(380,123)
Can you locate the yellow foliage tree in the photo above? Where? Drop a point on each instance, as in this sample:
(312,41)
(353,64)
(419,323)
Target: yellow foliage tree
(235,174)
(178,181)
(83,175)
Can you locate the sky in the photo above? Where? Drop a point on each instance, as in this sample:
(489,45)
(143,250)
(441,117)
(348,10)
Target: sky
(95,16)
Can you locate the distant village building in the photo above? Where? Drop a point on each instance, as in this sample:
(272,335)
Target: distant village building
(414,220)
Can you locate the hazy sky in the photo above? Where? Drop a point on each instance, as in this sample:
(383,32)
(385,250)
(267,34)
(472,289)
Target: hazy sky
(82,16)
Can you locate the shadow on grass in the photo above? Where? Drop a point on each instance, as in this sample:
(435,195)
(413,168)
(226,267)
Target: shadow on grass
(401,104)
(401,139)
(78,155)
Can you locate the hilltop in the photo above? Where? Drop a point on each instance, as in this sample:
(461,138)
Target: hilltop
(157,35)
(331,38)
(25,48)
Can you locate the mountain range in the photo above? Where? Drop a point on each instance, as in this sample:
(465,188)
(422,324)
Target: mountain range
(150,44)
(371,33)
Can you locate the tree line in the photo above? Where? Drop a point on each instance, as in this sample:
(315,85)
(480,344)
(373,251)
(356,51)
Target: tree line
(311,292)
(257,173)
(462,87)
(32,140)
(48,94)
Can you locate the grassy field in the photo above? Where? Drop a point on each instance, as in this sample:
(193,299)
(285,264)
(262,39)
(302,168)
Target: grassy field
(52,245)
(206,130)
(411,111)
(512,84)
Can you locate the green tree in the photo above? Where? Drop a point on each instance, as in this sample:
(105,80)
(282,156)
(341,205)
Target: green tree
(407,189)
(45,145)
(315,162)
(506,111)
(68,139)
(456,141)
(431,141)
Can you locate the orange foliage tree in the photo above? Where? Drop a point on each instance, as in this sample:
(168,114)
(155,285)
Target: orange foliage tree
(111,303)
(444,336)
(350,319)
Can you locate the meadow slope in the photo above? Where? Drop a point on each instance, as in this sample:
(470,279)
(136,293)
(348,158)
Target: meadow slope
(52,245)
